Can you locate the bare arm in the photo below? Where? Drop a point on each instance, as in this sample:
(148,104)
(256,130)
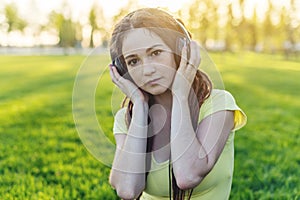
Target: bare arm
(128,170)
(195,153)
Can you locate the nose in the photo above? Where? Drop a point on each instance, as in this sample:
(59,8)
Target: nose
(149,68)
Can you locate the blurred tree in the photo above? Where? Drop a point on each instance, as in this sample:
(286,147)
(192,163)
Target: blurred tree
(214,17)
(78,34)
(294,22)
(12,18)
(202,19)
(65,28)
(245,28)
(292,29)
(130,6)
(283,30)
(230,33)
(198,21)
(242,26)
(253,32)
(104,28)
(67,34)
(268,29)
(98,24)
(93,23)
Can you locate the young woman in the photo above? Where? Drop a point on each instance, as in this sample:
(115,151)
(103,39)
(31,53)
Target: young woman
(175,135)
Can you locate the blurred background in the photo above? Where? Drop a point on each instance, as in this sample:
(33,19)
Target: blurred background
(270,26)
(255,45)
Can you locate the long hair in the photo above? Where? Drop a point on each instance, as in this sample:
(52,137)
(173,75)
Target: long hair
(159,21)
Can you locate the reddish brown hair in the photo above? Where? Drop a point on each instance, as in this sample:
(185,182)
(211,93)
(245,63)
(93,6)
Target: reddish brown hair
(159,22)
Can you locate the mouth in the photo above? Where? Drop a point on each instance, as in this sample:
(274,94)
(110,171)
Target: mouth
(153,81)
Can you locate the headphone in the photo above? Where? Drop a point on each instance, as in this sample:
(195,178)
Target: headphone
(181,42)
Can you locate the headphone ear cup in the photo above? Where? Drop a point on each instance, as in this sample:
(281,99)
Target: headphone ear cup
(180,44)
(120,66)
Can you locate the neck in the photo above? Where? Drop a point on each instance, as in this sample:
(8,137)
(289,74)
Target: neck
(164,100)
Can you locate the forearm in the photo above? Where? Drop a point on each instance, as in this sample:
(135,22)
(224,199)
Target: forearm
(186,151)
(128,171)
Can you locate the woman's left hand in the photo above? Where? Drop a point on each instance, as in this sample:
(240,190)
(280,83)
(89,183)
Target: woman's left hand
(186,72)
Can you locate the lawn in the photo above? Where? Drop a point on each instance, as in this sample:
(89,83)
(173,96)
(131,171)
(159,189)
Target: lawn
(42,156)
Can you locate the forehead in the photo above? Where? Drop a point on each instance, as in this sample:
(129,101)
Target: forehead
(140,39)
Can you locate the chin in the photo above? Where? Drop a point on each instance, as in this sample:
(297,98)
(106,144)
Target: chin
(157,91)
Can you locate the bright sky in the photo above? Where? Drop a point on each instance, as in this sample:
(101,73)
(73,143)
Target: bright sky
(36,12)
(79,7)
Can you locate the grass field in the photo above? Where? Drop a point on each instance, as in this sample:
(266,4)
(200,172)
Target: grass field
(42,156)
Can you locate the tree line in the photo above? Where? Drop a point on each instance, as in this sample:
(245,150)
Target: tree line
(218,25)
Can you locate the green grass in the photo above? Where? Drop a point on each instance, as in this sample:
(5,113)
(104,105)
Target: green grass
(42,156)
(267,160)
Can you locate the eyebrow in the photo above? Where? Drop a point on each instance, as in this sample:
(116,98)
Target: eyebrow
(147,50)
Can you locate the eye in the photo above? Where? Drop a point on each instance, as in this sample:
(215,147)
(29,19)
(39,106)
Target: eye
(156,52)
(132,62)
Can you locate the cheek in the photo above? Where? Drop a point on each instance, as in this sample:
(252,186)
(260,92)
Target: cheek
(171,75)
(136,75)
(171,61)
(170,67)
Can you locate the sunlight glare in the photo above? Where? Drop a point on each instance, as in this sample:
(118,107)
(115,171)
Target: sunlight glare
(172,6)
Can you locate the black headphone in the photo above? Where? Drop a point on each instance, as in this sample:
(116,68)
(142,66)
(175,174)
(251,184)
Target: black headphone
(186,40)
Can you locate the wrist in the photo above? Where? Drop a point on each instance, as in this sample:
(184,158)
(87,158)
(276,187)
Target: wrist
(140,104)
(180,96)
(139,100)
(139,121)
(140,109)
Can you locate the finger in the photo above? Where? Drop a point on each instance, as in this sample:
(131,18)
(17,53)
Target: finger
(116,78)
(183,61)
(184,52)
(111,73)
(115,72)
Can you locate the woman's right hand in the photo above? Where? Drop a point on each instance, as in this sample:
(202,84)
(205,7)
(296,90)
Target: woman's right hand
(127,87)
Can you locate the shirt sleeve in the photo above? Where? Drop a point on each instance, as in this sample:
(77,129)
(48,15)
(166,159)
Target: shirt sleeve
(222,100)
(120,126)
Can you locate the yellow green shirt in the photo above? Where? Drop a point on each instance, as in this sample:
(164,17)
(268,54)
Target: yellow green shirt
(217,184)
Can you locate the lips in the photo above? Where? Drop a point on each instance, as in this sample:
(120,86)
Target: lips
(153,81)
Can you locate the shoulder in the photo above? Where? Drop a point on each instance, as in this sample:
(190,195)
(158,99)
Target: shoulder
(120,121)
(121,113)
(220,100)
(217,93)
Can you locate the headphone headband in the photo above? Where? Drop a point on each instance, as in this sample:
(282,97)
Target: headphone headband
(183,29)
(180,43)
(187,40)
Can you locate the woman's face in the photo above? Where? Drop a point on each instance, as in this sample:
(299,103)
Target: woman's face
(149,60)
